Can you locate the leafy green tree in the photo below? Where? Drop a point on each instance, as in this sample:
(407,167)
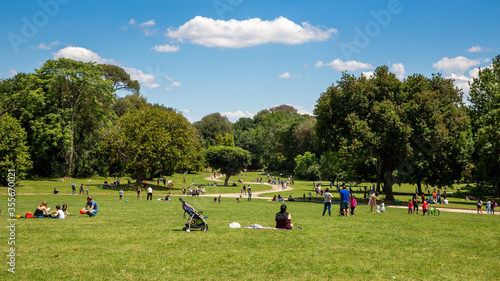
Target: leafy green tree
(366,115)
(130,103)
(121,79)
(70,92)
(485,115)
(307,167)
(226,140)
(229,160)
(153,140)
(14,155)
(212,125)
(441,141)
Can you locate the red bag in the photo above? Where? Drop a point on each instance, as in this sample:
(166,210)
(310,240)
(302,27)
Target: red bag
(29,215)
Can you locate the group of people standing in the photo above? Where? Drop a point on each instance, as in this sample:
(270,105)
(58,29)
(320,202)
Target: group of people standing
(347,202)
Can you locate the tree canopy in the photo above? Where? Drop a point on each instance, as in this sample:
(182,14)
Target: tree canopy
(229,160)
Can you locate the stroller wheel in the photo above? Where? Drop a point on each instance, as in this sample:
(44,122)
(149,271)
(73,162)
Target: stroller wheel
(184,228)
(205,228)
(187,230)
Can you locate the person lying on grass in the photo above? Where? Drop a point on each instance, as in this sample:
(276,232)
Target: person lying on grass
(283,219)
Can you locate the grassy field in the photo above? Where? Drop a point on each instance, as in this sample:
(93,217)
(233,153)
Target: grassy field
(139,239)
(143,240)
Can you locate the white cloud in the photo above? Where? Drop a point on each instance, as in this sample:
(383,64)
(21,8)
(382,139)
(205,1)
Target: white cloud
(149,32)
(80,54)
(43,46)
(478,49)
(340,65)
(368,74)
(173,85)
(237,114)
(12,72)
(131,22)
(285,75)
(148,23)
(186,110)
(166,48)
(461,81)
(456,65)
(399,70)
(245,33)
(146,79)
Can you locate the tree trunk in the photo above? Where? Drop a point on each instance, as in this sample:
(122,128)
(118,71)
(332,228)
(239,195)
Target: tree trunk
(378,166)
(388,182)
(226,180)
(140,175)
(419,186)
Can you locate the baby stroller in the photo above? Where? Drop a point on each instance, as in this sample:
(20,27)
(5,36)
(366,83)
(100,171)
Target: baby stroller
(196,219)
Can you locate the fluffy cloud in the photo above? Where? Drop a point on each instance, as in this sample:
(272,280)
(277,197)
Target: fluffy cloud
(399,70)
(237,114)
(478,49)
(368,74)
(80,54)
(456,65)
(132,22)
(245,33)
(146,79)
(86,55)
(340,65)
(166,48)
(285,75)
(173,85)
(43,46)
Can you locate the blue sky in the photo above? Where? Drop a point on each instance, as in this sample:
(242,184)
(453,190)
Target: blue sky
(238,57)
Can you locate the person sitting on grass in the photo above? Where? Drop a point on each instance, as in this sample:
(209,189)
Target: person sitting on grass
(42,211)
(58,213)
(92,211)
(65,209)
(283,219)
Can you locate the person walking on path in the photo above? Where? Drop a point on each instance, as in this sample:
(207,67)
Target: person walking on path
(327,202)
(150,194)
(139,192)
(373,201)
(479,205)
(249,193)
(73,187)
(344,201)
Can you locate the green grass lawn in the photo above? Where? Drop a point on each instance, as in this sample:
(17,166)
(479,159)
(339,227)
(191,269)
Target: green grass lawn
(141,240)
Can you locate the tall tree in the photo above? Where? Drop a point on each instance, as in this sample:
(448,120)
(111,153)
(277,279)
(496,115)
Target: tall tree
(440,140)
(367,115)
(154,140)
(485,115)
(229,160)
(14,155)
(70,91)
(130,103)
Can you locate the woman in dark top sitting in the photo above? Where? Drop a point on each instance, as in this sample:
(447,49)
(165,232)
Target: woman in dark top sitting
(41,211)
(283,219)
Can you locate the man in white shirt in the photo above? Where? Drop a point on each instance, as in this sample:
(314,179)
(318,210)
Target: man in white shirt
(150,194)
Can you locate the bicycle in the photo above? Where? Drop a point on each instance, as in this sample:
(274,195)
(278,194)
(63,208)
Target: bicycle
(433,211)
